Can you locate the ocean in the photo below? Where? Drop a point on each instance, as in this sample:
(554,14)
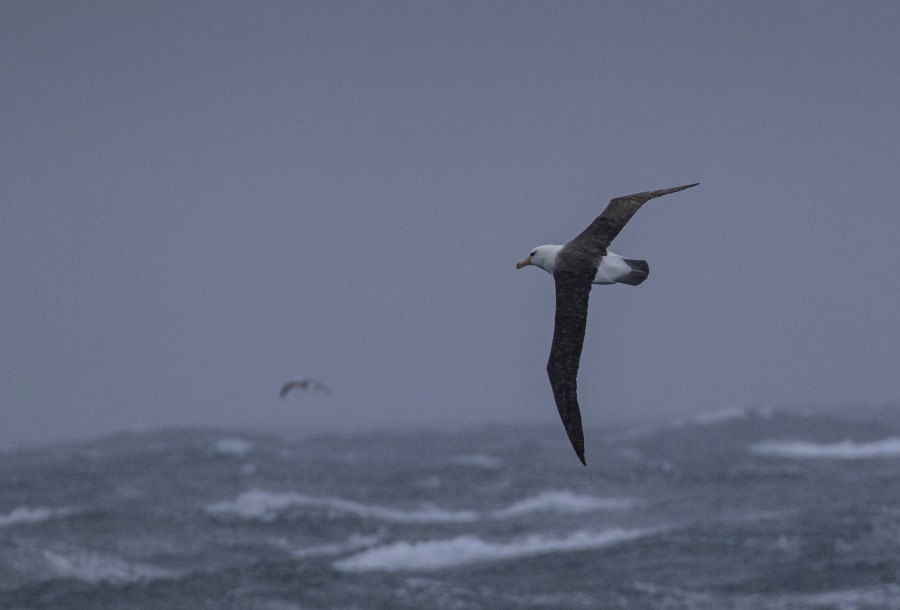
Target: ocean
(737,509)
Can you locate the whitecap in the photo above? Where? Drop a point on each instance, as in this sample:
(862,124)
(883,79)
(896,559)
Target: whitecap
(232,446)
(351,544)
(95,568)
(725,414)
(477,460)
(24,515)
(266,506)
(468,549)
(715,417)
(879,596)
(561,502)
(844,450)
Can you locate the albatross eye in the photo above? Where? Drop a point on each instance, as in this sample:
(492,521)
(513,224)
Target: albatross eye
(533,252)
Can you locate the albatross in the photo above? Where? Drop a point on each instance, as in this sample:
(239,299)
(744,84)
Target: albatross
(307,385)
(575,266)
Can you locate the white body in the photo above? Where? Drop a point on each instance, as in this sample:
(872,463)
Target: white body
(612,266)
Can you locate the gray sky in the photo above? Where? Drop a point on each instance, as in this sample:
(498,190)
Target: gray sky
(199,201)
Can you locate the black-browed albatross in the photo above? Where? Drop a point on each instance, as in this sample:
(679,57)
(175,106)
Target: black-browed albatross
(575,266)
(307,385)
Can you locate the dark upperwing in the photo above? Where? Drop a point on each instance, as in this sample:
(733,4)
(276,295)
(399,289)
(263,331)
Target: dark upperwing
(307,385)
(290,385)
(605,227)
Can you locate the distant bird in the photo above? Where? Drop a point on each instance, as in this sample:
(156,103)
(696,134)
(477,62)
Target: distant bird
(307,385)
(575,267)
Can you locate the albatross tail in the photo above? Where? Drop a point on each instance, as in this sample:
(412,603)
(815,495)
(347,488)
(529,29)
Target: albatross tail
(639,272)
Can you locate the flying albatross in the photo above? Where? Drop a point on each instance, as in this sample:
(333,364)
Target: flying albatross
(307,385)
(575,266)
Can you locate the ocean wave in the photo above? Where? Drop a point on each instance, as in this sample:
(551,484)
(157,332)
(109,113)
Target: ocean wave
(720,415)
(24,515)
(561,502)
(95,568)
(844,450)
(878,596)
(462,550)
(477,460)
(235,446)
(709,418)
(351,544)
(266,506)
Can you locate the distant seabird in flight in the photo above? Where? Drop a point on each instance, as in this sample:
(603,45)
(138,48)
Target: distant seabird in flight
(307,385)
(575,266)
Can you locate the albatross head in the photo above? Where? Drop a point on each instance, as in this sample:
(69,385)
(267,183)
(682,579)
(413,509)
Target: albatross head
(543,257)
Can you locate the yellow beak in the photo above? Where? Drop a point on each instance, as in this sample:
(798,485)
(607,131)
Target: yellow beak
(523,263)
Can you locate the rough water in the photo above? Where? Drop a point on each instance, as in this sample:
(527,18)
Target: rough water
(739,509)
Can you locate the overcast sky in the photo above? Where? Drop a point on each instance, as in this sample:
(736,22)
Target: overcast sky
(202,200)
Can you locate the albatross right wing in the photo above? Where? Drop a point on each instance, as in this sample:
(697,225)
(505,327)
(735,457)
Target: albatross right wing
(573,287)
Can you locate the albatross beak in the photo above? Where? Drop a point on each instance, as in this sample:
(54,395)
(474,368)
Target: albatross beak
(523,263)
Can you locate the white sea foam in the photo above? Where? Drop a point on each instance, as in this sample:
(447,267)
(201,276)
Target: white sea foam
(844,450)
(722,415)
(478,460)
(462,550)
(879,596)
(24,515)
(266,506)
(232,446)
(353,543)
(714,417)
(95,568)
(561,502)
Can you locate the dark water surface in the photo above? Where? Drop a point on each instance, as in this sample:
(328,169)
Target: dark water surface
(739,509)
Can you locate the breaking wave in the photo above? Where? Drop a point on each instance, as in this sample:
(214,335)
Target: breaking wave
(477,460)
(725,414)
(266,506)
(235,446)
(351,544)
(844,450)
(24,515)
(462,550)
(95,568)
(561,502)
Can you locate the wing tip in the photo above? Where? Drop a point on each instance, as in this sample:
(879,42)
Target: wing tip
(578,444)
(674,189)
(574,432)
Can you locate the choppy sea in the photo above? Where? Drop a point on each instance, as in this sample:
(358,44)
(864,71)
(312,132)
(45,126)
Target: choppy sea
(737,509)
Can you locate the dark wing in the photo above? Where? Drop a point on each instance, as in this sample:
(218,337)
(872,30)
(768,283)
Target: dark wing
(605,227)
(290,385)
(307,385)
(317,386)
(572,291)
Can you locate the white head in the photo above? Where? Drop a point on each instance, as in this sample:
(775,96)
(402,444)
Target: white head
(543,257)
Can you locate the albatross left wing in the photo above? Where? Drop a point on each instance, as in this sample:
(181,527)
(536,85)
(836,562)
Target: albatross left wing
(307,385)
(573,288)
(605,227)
